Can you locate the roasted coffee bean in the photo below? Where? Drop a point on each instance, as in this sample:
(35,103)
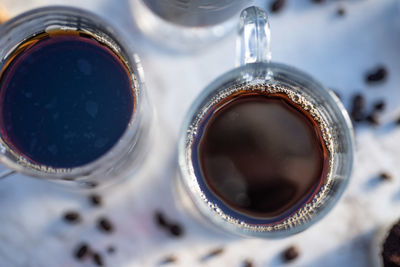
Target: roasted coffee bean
(160,219)
(290,253)
(380,105)
(247,263)
(105,225)
(377,75)
(277,5)
(211,254)
(385,176)
(95,200)
(172,228)
(168,259)
(341,12)
(72,217)
(359,101)
(373,118)
(176,230)
(81,251)
(357,115)
(215,252)
(317,1)
(357,108)
(98,259)
(91,184)
(111,250)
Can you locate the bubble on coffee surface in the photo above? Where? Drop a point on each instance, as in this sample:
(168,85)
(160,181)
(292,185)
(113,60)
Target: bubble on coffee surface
(308,209)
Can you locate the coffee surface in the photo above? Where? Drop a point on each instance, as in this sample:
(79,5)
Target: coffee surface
(65,100)
(261,154)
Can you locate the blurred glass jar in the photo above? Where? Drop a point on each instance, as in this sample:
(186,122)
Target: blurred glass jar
(186,24)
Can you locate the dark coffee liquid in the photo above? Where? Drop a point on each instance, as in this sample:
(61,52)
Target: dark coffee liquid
(262,154)
(65,99)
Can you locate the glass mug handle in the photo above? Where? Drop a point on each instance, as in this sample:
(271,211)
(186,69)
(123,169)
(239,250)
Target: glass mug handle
(253,41)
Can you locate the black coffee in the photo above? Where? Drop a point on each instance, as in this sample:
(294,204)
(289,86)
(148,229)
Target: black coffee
(65,99)
(261,154)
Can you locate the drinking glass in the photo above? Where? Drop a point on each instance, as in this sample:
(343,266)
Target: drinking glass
(254,73)
(186,24)
(128,153)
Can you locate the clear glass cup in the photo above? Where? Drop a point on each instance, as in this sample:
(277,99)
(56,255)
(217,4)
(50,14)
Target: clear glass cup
(255,73)
(186,25)
(127,154)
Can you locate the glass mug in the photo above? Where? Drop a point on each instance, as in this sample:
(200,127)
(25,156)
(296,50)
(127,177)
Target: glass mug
(186,25)
(212,181)
(127,153)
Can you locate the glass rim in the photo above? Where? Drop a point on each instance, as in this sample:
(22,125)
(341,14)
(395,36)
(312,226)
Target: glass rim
(187,176)
(133,62)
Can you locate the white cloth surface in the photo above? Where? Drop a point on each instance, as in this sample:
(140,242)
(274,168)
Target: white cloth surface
(335,50)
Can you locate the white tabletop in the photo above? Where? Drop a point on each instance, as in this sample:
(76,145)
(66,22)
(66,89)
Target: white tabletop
(335,50)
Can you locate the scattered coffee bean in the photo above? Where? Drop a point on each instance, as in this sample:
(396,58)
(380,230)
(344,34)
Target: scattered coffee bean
(247,263)
(373,118)
(176,230)
(341,12)
(81,251)
(357,108)
(91,184)
(172,228)
(277,5)
(318,1)
(98,259)
(377,75)
(385,176)
(290,253)
(95,199)
(379,105)
(216,252)
(160,219)
(111,250)
(72,217)
(105,225)
(168,259)
(398,121)
(213,253)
